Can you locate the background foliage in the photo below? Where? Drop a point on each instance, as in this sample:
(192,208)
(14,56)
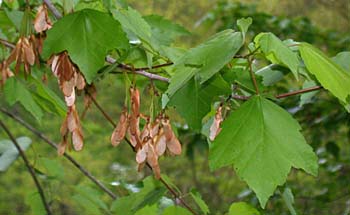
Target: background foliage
(324,123)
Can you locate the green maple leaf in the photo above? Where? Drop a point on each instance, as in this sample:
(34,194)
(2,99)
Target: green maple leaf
(263,142)
(206,59)
(87,35)
(193,101)
(332,76)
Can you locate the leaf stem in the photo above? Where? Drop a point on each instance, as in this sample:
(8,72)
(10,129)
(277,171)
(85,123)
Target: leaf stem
(54,145)
(252,75)
(283,95)
(306,90)
(30,169)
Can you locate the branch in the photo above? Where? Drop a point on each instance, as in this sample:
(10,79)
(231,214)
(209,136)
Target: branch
(127,67)
(31,171)
(283,95)
(109,59)
(52,144)
(306,90)
(171,190)
(141,71)
(53,9)
(7,44)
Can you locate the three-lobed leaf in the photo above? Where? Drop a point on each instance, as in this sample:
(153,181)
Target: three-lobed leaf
(262,141)
(87,35)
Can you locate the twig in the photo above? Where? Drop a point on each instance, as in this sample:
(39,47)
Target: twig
(283,95)
(171,190)
(177,197)
(127,67)
(252,75)
(53,9)
(306,90)
(110,120)
(141,71)
(109,59)
(7,44)
(54,145)
(30,169)
(247,55)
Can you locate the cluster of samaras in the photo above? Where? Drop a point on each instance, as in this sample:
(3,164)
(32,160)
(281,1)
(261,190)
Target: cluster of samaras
(27,49)
(69,79)
(156,138)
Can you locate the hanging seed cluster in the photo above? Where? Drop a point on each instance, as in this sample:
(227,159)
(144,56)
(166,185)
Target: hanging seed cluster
(155,139)
(24,53)
(27,49)
(69,79)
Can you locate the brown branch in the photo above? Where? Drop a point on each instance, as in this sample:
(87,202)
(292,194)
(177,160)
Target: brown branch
(109,59)
(110,120)
(306,90)
(30,169)
(127,67)
(171,190)
(54,145)
(7,43)
(283,95)
(141,71)
(247,55)
(53,9)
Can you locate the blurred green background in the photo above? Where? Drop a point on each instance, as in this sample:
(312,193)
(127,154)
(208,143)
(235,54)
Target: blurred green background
(325,123)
